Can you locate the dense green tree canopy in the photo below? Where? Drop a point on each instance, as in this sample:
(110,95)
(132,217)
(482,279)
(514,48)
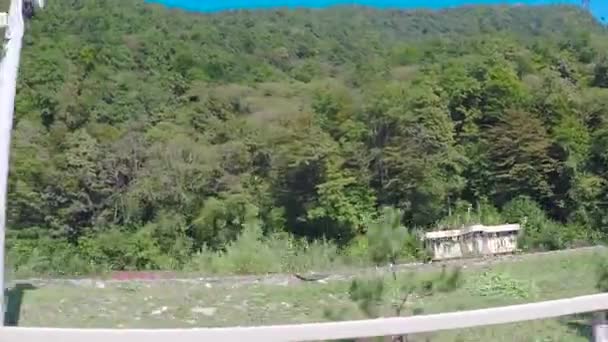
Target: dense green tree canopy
(169,129)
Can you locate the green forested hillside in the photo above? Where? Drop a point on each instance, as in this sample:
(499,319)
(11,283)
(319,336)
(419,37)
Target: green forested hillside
(144,136)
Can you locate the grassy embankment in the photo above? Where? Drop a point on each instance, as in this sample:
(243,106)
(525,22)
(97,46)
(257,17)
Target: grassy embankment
(178,304)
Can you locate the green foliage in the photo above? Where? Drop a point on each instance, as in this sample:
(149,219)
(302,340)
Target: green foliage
(602,274)
(220,221)
(43,255)
(464,213)
(248,253)
(368,294)
(358,248)
(343,202)
(539,232)
(521,162)
(500,285)
(252,253)
(375,296)
(153,139)
(386,237)
(524,210)
(124,251)
(447,281)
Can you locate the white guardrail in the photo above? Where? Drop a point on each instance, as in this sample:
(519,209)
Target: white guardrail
(323,331)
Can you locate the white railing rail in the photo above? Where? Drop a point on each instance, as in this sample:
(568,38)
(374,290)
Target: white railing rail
(323,331)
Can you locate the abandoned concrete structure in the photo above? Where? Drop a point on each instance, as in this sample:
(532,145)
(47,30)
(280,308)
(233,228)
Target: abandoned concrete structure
(472,241)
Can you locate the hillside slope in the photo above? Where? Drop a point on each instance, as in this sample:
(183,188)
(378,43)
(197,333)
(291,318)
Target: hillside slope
(144,134)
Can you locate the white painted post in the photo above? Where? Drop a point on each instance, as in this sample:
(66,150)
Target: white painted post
(600,327)
(9,67)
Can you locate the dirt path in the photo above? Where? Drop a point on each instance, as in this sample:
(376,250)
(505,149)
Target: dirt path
(289,279)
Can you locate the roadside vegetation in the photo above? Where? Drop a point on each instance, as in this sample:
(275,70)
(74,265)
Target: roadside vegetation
(199,304)
(272,141)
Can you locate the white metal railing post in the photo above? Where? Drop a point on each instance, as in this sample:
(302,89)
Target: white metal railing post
(600,327)
(9,67)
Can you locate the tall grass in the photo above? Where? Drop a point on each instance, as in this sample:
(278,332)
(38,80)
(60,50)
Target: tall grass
(253,253)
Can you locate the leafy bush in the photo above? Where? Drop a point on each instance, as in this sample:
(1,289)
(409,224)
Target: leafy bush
(539,232)
(375,297)
(488,214)
(120,250)
(524,210)
(371,296)
(368,294)
(413,247)
(252,253)
(386,237)
(465,214)
(317,255)
(247,254)
(357,249)
(48,257)
(461,215)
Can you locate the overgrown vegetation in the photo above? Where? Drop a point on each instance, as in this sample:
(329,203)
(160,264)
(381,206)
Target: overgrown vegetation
(229,303)
(501,285)
(602,274)
(154,139)
(371,295)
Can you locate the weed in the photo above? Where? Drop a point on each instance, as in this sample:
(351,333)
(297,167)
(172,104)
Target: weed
(491,284)
(602,274)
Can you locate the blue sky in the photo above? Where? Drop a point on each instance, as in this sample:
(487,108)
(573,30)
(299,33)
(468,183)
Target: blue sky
(598,7)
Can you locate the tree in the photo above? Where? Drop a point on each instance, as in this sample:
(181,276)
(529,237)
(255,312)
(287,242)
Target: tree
(387,237)
(521,163)
(165,128)
(371,296)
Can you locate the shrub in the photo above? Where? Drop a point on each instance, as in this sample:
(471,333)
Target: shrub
(461,215)
(368,294)
(386,237)
(499,285)
(551,235)
(253,253)
(488,214)
(317,255)
(120,250)
(602,274)
(47,256)
(538,231)
(464,214)
(376,296)
(524,209)
(248,253)
(357,250)
(413,247)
